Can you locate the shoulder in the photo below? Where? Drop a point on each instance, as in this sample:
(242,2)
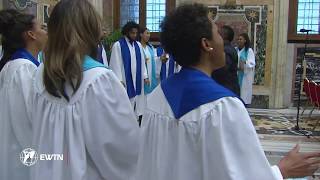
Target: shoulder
(226,105)
(20,72)
(158,104)
(98,78)
(116,45)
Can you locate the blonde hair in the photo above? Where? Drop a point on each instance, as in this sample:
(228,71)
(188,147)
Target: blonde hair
(74,30)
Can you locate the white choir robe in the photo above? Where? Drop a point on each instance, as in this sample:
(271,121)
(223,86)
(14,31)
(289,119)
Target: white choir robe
(149,63)
(97,130)
(104,57)
(1,52)
(215,141)
(248,77)
(116,65)
(15,125)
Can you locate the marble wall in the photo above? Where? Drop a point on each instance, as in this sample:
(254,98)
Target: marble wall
(42,8)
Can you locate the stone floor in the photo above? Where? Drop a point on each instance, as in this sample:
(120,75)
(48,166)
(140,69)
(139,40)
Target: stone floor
(275,128)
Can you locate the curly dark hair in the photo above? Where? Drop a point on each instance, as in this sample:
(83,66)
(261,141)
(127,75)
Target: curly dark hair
(247,45)
(128,27)
(12,25)
(182,32)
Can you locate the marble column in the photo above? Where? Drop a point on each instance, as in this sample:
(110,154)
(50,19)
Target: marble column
(281,72)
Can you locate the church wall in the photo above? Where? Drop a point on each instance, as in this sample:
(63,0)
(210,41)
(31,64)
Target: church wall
(275,68)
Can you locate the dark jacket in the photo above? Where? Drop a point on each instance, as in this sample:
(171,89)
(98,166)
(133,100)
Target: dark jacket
(227,75)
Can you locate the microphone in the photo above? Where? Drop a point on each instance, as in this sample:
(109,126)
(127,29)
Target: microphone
(306,30)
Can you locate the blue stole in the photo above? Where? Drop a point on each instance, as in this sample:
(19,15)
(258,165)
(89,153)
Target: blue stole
(243,57)
(163,70)
(24,54)
(152,75)
(90,63)
(191,88)
(125,52)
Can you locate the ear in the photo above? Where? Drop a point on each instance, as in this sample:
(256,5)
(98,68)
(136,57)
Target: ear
(205,45)
(31,35)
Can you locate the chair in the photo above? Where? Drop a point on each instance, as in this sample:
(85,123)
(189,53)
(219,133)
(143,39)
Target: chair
(313,96)
(317,92)
(306,89)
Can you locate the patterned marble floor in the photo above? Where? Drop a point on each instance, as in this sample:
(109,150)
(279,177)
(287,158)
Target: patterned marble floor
(275,128)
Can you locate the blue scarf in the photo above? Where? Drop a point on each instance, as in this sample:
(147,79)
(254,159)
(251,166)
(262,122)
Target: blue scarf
(24,54)
(243,57)
(191,88)
(152,75)
(90,63)
(125,52)
(163,71)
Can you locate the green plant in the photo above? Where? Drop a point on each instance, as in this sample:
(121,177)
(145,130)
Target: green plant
(111,39)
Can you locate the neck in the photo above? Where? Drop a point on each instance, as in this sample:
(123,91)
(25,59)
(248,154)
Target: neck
(33,50)
(143,43)
(205,68)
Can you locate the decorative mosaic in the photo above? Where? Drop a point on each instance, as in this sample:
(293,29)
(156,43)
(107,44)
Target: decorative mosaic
(284,125)
(21,4)
(260,101)
(251,20)
(25,6)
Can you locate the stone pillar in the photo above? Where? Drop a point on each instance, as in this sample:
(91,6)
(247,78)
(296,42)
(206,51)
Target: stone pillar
(280,82)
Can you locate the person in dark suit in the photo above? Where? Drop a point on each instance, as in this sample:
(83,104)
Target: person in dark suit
(227,75)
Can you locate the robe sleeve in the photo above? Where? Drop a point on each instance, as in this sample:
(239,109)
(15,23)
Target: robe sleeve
(158,63)
(110,129)
(19,103)
(277,173)
(251,62)
(143,63)
(116,62)
(236,142)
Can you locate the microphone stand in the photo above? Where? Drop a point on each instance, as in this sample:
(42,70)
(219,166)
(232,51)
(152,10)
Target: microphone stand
(297,130)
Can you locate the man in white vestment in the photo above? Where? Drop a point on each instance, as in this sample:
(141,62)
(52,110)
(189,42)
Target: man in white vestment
(127,61)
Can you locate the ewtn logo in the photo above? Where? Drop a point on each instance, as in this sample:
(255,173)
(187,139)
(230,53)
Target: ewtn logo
(30,157)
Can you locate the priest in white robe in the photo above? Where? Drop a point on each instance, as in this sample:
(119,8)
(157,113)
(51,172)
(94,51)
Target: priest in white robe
(22,41)
(194,128)
(127,61)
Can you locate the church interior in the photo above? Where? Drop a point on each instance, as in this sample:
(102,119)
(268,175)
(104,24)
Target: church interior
(285,57)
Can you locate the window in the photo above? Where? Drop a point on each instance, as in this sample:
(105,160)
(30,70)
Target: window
(148,13)
(308,15)
(156,11)
(304,14)
(129,11)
